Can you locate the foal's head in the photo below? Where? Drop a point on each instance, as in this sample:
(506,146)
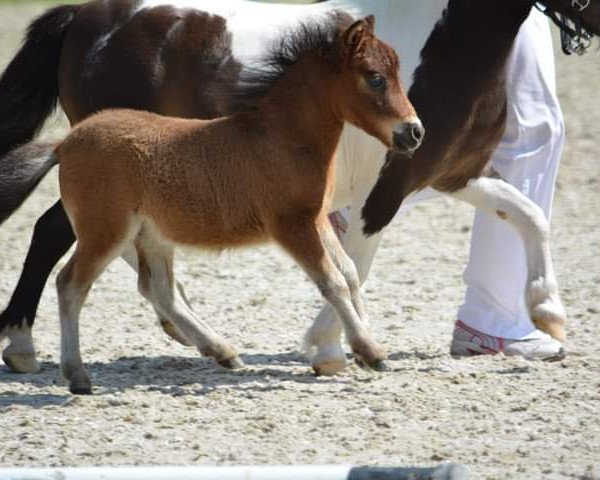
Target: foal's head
(372,96)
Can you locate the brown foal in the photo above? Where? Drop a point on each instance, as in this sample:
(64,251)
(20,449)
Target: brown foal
(138,184)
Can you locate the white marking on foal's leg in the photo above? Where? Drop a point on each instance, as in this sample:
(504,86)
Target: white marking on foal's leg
(19,355)
(130,256)
(70,302)
(499,198)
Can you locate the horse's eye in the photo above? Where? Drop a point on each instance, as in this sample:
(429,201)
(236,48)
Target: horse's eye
(376,81)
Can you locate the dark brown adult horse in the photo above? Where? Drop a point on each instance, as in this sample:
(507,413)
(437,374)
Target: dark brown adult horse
(185,62)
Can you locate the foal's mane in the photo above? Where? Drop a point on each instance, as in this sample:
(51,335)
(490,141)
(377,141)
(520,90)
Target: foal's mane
(310,36)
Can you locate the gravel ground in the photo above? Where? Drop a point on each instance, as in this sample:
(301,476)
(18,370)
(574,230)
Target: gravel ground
(157,402)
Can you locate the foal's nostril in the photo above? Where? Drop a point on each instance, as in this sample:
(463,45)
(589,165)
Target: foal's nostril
(409,137)
(417,131)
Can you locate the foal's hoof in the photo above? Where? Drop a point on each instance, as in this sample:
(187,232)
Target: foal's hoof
(233,363)
(328,367)
(377,364)
(80,386)
(21,362)
(79,381)
(80,389)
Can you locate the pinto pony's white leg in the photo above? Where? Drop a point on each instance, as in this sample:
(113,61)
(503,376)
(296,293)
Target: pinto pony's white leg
(20,356)
(502,200)
(157,284)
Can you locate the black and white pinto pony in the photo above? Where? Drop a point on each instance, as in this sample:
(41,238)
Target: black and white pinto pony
(184,58)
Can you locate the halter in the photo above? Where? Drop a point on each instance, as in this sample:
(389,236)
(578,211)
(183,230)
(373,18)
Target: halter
(573,37)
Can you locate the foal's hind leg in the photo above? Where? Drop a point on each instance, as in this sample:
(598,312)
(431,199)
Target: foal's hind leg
(52,237)
(156,283)
(130,256)
(499,198)
(305,241)
(73,284)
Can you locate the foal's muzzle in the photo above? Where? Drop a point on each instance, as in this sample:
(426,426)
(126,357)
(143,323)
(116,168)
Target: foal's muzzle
(408,136)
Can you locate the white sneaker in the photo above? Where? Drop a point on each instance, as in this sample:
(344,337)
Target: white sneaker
(467,342)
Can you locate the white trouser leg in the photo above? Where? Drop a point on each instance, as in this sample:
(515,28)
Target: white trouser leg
(528,158)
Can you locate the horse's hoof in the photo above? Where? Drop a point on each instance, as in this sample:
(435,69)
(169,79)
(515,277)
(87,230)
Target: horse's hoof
(172,331)
(548,320)
(378,365)
(381,366)
(329,367)
(80,389)
(21,362)
(233,363)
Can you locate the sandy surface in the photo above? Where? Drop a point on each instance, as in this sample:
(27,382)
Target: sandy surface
(157,402)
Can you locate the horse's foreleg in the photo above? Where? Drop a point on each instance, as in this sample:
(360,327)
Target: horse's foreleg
(498,198)
(130,256)
(303,240)
(323,337)
(52,237)
(156,283)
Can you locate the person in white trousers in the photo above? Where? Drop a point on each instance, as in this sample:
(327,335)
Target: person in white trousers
(493,317)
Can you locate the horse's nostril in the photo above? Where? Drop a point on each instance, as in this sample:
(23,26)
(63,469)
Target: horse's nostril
(417,131)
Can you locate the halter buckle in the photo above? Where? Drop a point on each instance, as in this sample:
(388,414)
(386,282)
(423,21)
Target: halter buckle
(580,5)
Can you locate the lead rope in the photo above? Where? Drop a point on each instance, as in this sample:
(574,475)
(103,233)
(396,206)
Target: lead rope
(573,37)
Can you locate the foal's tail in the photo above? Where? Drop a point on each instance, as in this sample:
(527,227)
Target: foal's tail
(29,85)
(20,172)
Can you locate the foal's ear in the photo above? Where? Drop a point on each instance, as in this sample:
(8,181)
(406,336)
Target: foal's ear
(356,33)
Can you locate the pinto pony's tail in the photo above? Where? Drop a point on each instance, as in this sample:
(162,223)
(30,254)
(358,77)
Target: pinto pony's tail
(29,85)
(20,171)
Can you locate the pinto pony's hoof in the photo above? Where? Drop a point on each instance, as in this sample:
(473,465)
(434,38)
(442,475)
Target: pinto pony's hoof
(549,320)
(233,363)
(21,362)
(172,331)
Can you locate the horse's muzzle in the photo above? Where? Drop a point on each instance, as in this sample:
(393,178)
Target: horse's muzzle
(409,136)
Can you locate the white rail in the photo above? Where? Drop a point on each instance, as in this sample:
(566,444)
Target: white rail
(296,472)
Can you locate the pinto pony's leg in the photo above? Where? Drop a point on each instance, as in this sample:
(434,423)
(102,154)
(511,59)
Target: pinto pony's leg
(303,239)
(156,283)
(499,198)
(130,256)
(52,237)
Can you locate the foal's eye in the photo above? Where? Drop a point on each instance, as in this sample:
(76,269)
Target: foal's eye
(376,81)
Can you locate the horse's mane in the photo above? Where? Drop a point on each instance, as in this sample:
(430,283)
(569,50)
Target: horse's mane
(255,81)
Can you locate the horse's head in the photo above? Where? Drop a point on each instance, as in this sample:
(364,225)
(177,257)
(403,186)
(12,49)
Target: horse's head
(373,97)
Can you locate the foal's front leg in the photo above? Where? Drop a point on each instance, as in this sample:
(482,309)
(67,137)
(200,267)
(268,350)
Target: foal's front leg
(324,333)
(310,244)
(499,198)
